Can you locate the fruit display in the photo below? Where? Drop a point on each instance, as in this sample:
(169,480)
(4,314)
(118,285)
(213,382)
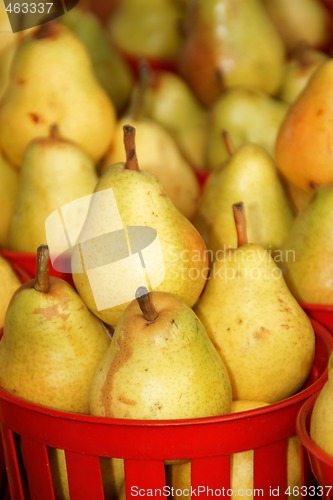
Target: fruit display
(166,168)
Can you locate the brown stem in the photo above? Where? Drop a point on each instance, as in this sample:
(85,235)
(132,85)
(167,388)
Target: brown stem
(147,308)
(42,283)
(240,223)
(137,106)
(54,131)
(228,142)
(129,143)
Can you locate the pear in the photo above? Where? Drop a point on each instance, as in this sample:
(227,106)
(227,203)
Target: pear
(171,102)
(241,463)
(9,186)
(248,115)
(301,65)
(147,28)
(307,264)
(150,239)
(250,175)
(299,198)
(223,47)
(71,97)
(9,284)
(112,70)
(321,423)
(264,337)
(304,144)
(160,365)
(54,172)
(300,20)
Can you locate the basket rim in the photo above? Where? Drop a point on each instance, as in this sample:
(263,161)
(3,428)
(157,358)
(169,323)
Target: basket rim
(294,400)
(302,429)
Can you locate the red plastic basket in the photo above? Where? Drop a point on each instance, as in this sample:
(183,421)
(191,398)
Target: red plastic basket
(145,445)
(321,313)
(321,463)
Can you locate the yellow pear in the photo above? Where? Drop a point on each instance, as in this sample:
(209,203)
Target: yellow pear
(321,423)
(71,96)
(144,239)
(304,144)
(9,185)
(249,175)
(160,365)
(261,332)
(241,464)
(9,284)
(55,171)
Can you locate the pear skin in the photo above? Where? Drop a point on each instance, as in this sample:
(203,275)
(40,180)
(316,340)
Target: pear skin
(160,365)
(73,98)
(9,284)
(264,337)
(304,144)
(9,186)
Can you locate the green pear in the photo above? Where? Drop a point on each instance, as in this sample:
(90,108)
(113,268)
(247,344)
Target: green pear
(71,96)
(147,28)
(300,20)
(171,102)
(223,47)
(264,337)
(9,284)
(174,260)
(111,68)
(306,252)
(241,464)
(9,186)
(248,115)
(160,365)
(321,423)
(55,171)
(250,175)
(301,65)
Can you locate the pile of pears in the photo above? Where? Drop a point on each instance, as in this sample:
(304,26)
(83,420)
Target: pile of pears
(210,125)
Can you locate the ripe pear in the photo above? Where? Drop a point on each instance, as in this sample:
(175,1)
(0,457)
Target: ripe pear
(160,365)
(9,185)
(9,284)
(241,463)
(261,332)
(179,262)
(321,423)
(300,20)
(247,115)
(223,47)
(307,250)
(250,175)
(71,97)
(304,143)
(54,172)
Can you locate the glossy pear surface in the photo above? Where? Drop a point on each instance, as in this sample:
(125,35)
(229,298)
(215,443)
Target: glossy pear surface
(51,346)
(261,332)
(166,369)
(307,250)
(304,143)
(249,175)
(142,201)
(223,48)
(71,97)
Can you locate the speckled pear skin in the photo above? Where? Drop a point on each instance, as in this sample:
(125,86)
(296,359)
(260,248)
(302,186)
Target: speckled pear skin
(167,369)
(261,332)
(321,424)
(51,346)
(142,201)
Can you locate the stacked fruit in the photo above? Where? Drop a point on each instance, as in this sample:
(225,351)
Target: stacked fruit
(185,298)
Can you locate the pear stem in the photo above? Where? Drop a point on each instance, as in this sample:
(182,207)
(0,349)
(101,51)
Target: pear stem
(129,143)
(240,223)
(228,142)
(42,283)
(54,131)
(147,308)
(137,105)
